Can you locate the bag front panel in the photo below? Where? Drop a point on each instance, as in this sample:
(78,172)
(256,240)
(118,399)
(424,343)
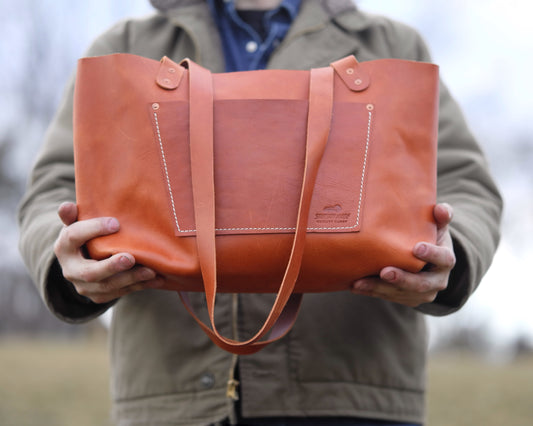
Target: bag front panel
(259,162)
(377,177)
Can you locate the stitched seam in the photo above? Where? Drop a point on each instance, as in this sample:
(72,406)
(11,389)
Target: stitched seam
(361,191)
(364,168)
(163,158)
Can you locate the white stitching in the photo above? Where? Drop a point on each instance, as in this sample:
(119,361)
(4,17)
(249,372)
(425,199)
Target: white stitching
(163,157)
(361,190)
(279,229)
(364,168)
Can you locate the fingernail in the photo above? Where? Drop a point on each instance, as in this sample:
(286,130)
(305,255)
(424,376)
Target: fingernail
(113,225)
(449,210)
(125,262)
(421,249)
(389,276)
(147,274)
(361,286)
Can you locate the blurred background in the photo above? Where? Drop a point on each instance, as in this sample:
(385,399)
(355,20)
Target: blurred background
(481,369)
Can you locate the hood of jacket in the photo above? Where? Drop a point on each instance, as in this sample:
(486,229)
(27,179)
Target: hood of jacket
(344,12)
(333,7)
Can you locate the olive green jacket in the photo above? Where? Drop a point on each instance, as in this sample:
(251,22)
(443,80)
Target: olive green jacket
(364,357)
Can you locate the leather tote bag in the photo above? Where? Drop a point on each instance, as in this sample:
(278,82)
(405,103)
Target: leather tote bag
(271,181)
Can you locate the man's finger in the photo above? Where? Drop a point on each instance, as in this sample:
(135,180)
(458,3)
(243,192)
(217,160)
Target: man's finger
(109,294)
(77,269)
(365,285)
(96,271)
(443,214)
(440,257)
(108,287)
(77,234)
(68,213)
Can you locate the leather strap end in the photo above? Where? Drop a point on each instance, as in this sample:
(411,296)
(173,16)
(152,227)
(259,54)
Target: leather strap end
(169,74)
(349,70)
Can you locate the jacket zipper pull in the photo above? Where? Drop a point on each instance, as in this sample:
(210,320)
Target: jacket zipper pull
(231,389)
(232,385)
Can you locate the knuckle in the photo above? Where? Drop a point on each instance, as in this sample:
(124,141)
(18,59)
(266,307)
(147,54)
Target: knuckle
(58,247)
(83,291)
(450,259)
(100,298)
(424,286)
(445,259)
(429,297)
(101,288)
(87,275)
(67,237)
(132,289)
(125,291)
(442,286)
(61,242)
(144,274)
(69,276)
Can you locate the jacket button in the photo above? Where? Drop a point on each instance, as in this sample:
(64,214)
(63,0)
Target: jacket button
(207,380)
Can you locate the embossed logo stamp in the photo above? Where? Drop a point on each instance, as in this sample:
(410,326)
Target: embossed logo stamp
(332,214)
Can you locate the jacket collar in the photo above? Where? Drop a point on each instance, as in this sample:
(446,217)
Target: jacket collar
(333,9)
(337,41)
(337,21)
(165,5)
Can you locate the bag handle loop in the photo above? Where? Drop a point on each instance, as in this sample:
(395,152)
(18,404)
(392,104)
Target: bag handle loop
(285,308)
(353,76)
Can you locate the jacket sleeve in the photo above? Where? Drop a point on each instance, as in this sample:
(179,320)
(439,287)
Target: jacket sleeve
(51,182)
(463,181)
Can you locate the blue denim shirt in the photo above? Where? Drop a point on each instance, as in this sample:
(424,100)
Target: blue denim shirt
(244,48)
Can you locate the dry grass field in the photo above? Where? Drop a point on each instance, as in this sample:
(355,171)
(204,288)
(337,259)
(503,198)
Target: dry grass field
(464,390)
(53,383)
(64,383)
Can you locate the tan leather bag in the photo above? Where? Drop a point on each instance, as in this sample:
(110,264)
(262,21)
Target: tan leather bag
(263,181)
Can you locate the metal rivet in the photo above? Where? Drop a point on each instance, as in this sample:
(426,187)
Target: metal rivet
(172,70)
(358,82)
(349,71)
(155,106)
(370,107)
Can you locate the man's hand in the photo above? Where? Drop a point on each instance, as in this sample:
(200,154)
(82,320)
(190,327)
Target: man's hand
(100,281)
(396,285)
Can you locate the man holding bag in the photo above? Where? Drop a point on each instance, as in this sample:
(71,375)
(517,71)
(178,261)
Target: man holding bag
(350,359)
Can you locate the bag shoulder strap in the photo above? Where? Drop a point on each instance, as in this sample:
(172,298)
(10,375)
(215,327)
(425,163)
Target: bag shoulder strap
(285,308)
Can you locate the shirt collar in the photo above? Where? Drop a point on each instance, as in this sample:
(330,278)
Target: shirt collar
(291,6)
